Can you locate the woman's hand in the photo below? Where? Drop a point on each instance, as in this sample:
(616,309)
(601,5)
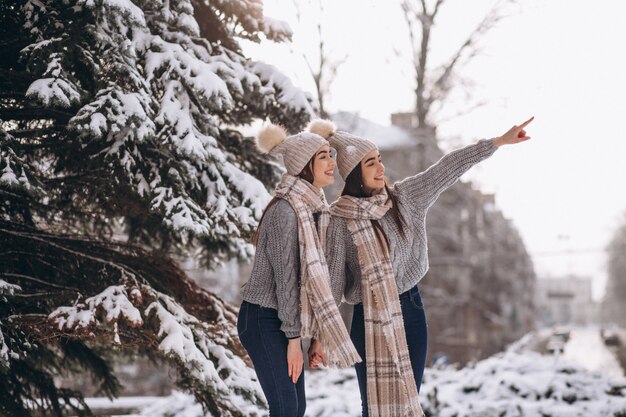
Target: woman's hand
(316,354)
(295,360)
(516,134)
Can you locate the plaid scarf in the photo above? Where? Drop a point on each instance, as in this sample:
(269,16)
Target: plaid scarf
(319,315)
(391,388)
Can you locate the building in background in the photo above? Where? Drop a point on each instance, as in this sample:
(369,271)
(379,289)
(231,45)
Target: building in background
(565,300)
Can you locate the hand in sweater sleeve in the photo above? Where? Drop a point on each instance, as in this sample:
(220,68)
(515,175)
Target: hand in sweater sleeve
(336,259)
(423,189)
(283,253)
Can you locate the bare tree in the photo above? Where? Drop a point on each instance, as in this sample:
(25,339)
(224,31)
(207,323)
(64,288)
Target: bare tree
(433,86)
(322,66)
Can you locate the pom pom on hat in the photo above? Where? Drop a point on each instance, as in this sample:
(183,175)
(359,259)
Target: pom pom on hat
(269,137)
(324,128)
(295,150)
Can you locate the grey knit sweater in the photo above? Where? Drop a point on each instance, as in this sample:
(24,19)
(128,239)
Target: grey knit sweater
(275,278)
(409,255)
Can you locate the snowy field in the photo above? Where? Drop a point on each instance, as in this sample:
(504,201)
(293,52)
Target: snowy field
(585,380)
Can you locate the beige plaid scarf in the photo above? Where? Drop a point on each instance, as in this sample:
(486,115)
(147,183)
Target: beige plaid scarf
(391,388)
(319,315)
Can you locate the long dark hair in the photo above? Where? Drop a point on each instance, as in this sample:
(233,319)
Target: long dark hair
(306,174)
(354,187)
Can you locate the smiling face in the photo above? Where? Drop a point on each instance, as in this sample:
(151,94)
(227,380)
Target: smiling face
(323,167)
(372,172)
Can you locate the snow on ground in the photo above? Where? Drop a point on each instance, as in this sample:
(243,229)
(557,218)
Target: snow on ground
(332,393)
(515,383)
(527,384)
(586,348)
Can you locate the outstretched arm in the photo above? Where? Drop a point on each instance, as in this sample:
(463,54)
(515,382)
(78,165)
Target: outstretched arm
(423,189)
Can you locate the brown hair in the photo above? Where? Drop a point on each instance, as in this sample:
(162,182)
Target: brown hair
(306,174)
(354,187)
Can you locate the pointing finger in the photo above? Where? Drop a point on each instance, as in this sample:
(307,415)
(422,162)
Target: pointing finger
(523,125)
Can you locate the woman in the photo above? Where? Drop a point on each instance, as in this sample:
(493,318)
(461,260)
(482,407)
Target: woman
(288,294)
(379,254)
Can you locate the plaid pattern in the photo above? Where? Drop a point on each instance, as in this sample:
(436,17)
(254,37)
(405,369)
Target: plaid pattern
(391,387)
(319,315)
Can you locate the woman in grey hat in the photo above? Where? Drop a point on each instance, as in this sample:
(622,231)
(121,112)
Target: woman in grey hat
(288,295)
(379,254)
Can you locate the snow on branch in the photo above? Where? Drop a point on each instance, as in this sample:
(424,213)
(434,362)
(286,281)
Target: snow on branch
(181,213)
(279,87)
(106,308)
(8,288)
(194,345)
(14,172)
(157,100)
(55,89)
(116,116)
(276,30)
(4,351)
(203,350)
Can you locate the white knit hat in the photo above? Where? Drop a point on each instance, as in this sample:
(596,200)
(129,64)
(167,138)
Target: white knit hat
(296,150)
(350,149)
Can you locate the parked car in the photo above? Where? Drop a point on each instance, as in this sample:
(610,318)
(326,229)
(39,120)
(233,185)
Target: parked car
(610,337)
(557,340)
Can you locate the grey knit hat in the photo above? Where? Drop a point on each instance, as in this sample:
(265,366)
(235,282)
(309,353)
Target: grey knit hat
(350,149)
(296,150)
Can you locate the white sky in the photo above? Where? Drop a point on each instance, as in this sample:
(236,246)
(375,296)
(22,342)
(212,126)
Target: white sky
(563,61)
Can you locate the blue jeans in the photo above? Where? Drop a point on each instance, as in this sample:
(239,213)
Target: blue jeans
(259,332)
(416,337)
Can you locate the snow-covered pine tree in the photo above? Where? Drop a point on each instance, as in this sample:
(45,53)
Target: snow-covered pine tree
(120,147)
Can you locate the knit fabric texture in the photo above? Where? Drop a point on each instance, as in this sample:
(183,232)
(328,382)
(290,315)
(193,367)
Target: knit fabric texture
(409,255)
(350,150)
(275,278)
(297,150)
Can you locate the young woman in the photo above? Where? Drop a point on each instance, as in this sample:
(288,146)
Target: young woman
(379,254)
(288,294)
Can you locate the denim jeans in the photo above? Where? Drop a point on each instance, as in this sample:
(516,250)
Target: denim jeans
(416,337)
(259,332)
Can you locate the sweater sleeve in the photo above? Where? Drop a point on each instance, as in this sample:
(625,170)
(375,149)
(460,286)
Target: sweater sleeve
(336,258)
(284,256)
(423,189)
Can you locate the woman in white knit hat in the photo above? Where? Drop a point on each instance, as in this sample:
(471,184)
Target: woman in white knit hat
(379,254)
(288,295)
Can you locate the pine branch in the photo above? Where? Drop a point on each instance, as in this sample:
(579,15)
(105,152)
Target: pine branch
(35,133)
(37,280)
(29,113)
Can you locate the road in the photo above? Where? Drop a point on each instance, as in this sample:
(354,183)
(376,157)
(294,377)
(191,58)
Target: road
(586,348)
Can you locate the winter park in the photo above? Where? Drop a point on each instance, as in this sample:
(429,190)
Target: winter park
(312,208)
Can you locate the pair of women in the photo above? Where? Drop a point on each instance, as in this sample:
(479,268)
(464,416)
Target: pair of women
(369,248)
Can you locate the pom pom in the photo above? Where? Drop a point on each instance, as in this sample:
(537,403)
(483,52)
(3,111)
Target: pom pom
(269,137)
(324,128)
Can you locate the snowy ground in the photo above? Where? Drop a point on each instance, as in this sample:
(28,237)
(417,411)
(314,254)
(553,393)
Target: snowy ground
(584,381)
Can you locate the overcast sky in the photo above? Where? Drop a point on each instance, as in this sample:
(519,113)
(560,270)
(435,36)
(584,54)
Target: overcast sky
(563,61)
